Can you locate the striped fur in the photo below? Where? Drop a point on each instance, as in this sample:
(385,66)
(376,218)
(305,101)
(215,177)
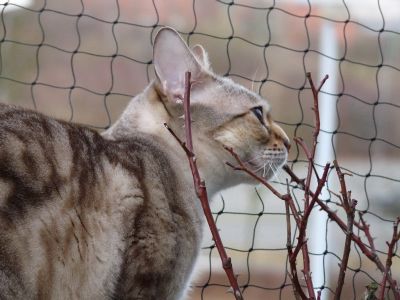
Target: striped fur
(82,217)
(85,215)
(78,212)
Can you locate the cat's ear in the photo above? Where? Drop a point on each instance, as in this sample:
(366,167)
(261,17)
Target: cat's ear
(172,59)
(201,56)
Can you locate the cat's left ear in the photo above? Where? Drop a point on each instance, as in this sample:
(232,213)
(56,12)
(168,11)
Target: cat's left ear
(201,56)
(172,59)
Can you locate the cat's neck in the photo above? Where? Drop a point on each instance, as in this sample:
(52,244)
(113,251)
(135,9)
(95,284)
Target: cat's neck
(146,115)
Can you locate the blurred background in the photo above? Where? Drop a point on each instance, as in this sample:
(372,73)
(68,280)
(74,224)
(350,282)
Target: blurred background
(83,60)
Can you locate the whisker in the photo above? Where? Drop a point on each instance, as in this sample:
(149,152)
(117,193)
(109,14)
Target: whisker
(254,79)
(277,172)
(269,168)
(258,169)
(262,167)
(266,167)
(265,164)
(253,159)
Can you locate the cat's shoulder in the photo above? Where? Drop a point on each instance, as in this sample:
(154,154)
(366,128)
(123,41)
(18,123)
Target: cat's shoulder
(20,125)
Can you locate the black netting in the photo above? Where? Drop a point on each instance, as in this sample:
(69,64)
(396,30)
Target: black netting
(83,60)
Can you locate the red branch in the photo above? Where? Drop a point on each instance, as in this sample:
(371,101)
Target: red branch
(391,253)
(201,190)
(289,246)
(369,252)
(304,221)
(350,207)
(317,127)
(289,203)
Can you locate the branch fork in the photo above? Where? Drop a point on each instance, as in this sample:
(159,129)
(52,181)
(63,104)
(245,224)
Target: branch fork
(311,200)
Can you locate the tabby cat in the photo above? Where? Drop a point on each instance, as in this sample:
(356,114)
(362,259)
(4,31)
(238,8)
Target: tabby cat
(85,215)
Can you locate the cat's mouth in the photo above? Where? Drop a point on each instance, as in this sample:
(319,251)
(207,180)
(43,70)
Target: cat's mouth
(267,165)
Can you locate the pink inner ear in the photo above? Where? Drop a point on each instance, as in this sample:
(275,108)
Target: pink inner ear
(174,90)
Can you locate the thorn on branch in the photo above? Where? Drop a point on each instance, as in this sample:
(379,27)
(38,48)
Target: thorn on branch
(227,263)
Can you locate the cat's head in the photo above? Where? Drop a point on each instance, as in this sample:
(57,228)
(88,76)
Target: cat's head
(223,112)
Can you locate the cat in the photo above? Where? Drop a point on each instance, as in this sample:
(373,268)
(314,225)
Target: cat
(85,215)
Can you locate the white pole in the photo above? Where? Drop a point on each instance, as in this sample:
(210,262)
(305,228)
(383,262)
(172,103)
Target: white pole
(324,152)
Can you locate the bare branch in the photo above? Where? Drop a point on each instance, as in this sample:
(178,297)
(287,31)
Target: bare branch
(391,253)
(186,110)
(297,290)
(349,206)
(315,134)
(304,220)
(201,191)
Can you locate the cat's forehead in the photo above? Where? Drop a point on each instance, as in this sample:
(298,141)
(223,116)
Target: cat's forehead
(239,96)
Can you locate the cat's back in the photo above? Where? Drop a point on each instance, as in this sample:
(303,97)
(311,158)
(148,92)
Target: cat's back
(63,196)
(80,214)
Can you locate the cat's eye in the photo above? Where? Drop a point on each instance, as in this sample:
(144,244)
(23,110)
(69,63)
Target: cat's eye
(258,112)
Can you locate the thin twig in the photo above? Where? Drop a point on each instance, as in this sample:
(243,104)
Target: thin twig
(186,111)
(309,156)
(317,127)
(365,229)
(288,223)
(183,144)
(311,167)
(304,221)
(349,206)
(297,290)
(302,233)
(346,250)
(391,253)
(293,177)
(319,295)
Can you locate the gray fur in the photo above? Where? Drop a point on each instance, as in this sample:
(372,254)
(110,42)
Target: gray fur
(85,215)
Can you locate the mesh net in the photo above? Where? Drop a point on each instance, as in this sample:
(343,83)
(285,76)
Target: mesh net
(83,60)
